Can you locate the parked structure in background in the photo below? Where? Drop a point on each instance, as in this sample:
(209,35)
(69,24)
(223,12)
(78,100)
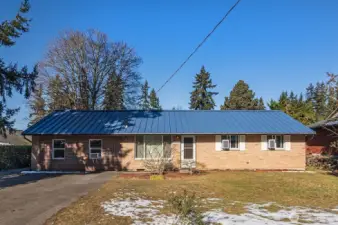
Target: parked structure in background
(206,139)
(325,140)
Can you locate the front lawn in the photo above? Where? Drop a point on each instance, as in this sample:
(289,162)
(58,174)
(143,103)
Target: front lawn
(231,191)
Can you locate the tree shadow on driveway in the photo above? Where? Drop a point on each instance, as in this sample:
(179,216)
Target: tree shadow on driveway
(17,179)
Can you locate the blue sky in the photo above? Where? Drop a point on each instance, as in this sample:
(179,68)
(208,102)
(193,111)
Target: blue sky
(272,45)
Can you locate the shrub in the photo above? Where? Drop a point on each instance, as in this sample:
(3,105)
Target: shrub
(322,162)
(12,157)
(156,177)
(185,206)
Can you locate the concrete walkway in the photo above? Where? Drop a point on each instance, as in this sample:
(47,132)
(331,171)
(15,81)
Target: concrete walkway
(32,199)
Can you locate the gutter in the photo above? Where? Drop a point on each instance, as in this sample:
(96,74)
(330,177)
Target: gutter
(24,136)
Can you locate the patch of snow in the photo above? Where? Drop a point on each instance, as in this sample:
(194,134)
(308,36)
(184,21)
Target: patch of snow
(139,209)
(145,211)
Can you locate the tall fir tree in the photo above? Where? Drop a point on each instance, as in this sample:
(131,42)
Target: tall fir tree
(114,94)
(260,105)
(294,106)
(242,97)
(56,95)
(37,106)
(154,100)
(144,101)
(202,97)
(12,77)
(320,100)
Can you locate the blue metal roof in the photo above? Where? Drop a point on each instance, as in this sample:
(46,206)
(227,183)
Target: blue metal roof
(168,122)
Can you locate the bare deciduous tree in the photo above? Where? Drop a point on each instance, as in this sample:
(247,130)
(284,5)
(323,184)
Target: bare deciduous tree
(159,159)
(85,61)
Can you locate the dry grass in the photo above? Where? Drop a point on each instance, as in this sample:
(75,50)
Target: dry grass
(287,189)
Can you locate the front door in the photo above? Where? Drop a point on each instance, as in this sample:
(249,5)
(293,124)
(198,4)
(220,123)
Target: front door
(188,152)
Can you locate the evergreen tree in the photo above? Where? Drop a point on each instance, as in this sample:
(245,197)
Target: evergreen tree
(320,100)
(114,94)
(144,103)
(260,105)
(241,97)
(13,78)
(154,100)
(294,106)
(37,106)
(310,90)
(331,102)
(56,95)
(201,97)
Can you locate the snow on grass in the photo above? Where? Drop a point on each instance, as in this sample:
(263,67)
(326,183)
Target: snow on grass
(146,211)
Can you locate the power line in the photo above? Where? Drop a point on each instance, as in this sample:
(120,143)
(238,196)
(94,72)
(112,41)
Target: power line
(200,45)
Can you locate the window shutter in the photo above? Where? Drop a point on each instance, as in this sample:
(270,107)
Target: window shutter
(287,142)
(242,142)
(264,144)
(218,142)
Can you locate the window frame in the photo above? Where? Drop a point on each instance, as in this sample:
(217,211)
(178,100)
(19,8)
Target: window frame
(144,145)
(274,138)
(229,138)
(95,148)
(64,149)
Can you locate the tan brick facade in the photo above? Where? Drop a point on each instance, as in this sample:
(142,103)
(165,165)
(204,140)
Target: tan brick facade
(118,154)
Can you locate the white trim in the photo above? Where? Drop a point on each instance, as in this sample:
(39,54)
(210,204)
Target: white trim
(64,149)
(287,142)
(144,144)
(238,141)
(193,160)
(274,137)
(96,148)
(218,141)
(242,142)
(264,144)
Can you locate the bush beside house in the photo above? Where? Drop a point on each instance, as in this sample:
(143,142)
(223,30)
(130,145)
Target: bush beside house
(12,157)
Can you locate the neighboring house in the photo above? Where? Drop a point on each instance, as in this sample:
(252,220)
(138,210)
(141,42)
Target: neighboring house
(117,140)
(15,139)
(326,133)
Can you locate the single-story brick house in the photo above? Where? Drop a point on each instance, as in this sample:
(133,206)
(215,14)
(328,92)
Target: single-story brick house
(326,133)
(116,140)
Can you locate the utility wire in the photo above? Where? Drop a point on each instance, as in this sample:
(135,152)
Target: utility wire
(200,45)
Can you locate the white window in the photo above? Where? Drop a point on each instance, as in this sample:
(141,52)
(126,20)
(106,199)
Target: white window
(279,140)
(59,148)
(233,141)
(152,146)
(95,148)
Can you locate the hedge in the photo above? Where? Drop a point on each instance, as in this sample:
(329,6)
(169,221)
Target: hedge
(13,157)
(322,162)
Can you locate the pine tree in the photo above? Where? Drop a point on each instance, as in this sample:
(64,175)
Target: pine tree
(57,96)
(154,100)
(201,97)
(310,90)
(13,78)
(320,99)
(331,102)
(294,106)
(114,94)
(37,106)
(260,105)
(241,97)
(144,103)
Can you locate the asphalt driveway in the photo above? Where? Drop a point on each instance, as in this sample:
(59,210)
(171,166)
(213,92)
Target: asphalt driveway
(32,199)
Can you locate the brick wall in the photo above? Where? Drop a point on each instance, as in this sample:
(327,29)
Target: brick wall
(118,153)
(252,157)
(320,143)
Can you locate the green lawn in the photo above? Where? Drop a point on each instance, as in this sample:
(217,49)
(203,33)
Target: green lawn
(287,189)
